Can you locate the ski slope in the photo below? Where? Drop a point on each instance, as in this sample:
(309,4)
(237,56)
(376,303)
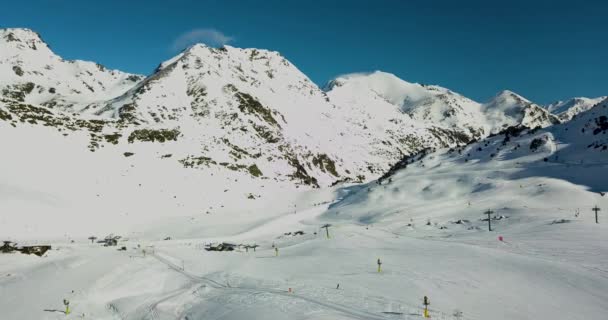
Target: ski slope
(542,270)
(424,221)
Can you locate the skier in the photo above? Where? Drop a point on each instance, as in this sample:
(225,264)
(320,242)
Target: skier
(379,265)
(338,287)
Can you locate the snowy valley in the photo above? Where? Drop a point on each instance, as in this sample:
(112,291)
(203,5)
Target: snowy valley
(238,146)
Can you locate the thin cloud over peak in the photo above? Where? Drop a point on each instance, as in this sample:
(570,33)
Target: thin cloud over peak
(209,36)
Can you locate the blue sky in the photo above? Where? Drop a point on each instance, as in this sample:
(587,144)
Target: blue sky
(544,50)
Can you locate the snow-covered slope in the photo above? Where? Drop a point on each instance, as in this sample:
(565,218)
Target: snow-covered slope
(30,72)
(425,223)
(538,166)
(540,186)
(566,110)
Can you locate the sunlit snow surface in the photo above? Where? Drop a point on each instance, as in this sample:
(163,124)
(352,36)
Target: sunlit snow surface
(545,268)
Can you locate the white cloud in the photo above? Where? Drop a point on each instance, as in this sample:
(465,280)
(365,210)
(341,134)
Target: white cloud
(208,36)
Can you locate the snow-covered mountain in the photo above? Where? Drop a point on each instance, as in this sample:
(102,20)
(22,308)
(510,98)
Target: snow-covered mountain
(239,114)
(30,72)
(245,110)
(510,109)
(434,105)
(239,107)
(566,110)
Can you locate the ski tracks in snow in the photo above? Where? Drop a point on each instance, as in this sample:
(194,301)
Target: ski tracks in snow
(348,311)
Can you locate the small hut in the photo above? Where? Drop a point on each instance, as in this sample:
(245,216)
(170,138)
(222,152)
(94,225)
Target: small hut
(110,240)
(224,246)
(8,247)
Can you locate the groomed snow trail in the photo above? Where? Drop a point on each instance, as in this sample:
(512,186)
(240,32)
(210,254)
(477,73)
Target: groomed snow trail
(349,311)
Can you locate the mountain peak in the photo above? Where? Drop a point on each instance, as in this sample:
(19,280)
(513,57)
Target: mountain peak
(507,99)
(68,85)
(508,94)
(567,109)
(201,52)
(21,36)
(508,108)
(383,83)
(373,76)
(195,47)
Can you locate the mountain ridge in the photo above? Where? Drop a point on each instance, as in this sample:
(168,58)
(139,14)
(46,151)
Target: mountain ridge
(251,108)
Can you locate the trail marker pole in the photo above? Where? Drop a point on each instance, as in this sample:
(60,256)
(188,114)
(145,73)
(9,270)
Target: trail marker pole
(326,226)
(426,304)
(66,303)
(489,212)
(596,209)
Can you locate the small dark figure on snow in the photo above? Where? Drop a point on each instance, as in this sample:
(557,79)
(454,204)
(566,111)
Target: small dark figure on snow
(66,303)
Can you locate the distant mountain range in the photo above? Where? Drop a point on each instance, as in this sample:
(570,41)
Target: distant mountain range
(249,112)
